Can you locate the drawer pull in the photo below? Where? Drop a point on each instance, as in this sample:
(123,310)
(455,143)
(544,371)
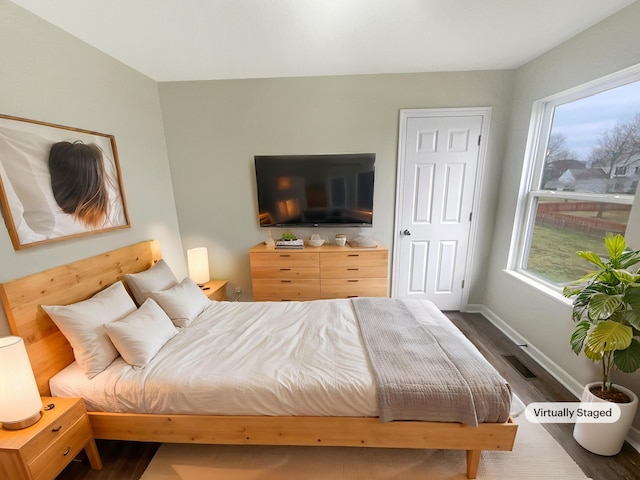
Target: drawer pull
(284,256)
(353,269)
(57,429)
(285,281)
(285,269)
(353,255)
(66,452)
(352,281)
(352,296)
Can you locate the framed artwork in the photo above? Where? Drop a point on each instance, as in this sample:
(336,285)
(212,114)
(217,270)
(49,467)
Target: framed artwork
(58,182)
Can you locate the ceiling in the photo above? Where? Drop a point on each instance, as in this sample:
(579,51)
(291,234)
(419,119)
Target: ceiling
(173,40)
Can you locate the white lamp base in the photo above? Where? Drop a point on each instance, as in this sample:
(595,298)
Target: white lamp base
(23,423)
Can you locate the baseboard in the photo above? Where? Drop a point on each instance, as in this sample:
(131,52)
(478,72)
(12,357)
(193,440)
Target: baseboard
(545,362)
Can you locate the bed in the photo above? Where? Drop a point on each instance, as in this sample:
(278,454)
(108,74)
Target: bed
(52,358)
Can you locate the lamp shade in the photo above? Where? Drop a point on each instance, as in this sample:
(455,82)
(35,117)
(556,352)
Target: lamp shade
(198,262)
(20,401)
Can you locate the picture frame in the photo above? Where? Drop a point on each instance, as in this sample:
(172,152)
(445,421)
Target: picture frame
(58,182)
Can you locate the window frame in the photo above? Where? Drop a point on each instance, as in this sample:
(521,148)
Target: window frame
(540,124)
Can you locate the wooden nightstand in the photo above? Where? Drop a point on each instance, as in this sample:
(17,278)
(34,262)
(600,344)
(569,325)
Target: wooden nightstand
(43,450)
(216,290)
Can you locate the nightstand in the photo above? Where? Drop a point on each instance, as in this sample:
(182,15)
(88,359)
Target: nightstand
(216,290)
(43,450)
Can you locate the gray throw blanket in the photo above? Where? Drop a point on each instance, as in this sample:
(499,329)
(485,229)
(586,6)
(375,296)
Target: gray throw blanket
(428,373)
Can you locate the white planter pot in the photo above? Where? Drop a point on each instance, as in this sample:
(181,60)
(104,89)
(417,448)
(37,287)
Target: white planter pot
(606,438)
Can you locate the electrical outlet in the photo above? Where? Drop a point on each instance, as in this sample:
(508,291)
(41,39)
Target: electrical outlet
(238,290)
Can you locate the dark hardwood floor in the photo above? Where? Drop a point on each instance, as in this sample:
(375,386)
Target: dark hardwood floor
(128,460)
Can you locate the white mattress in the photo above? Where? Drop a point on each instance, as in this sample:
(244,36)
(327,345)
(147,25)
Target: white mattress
(263,358)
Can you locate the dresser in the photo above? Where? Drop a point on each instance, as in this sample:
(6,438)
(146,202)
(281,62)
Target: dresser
(314,273)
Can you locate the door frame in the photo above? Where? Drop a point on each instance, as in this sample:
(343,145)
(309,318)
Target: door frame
(405,115)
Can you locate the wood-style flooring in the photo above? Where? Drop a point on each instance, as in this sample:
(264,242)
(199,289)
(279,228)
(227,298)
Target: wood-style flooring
(128,460)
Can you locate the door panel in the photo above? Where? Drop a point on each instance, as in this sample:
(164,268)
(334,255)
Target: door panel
(438,173)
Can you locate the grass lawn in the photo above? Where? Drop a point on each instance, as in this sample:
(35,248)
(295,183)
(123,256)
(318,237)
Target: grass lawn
(553,253)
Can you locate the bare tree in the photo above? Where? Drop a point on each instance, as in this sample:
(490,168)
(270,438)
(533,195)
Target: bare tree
(617,145)
(557,150)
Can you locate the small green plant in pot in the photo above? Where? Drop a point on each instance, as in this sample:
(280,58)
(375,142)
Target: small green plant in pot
(606,309)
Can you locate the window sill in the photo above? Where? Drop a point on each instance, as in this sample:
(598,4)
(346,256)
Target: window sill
(532,282)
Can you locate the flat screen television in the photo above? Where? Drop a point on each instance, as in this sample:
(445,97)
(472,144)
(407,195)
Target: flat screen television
(315,190)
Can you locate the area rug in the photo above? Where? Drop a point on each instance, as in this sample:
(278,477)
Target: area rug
(535,455)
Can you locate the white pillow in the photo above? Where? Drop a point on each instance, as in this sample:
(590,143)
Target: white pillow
(82,324)
(158,277)
(139,336)
(183,302)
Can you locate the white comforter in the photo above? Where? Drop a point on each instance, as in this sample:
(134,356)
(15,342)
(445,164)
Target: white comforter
(292,358)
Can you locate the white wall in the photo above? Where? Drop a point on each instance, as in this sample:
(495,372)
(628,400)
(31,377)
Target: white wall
(48,75)
(214,128)
(545,323)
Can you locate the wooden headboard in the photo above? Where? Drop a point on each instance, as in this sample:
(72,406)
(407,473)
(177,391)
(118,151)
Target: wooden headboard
(48,350)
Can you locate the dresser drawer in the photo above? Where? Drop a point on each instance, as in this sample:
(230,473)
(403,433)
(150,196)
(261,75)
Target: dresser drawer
(354,272)
(353,287)
(56,429)
(286,289)
(58,454)
(286,273)
(359,258)
(284,259)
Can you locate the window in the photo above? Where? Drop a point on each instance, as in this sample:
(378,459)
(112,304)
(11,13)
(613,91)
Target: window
(581,177)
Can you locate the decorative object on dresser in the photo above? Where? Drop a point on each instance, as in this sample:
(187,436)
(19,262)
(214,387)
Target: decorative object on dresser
(341,239)
(198,263)
(20,403)
(326,272)
(270,242)
(43,450)
(316,240)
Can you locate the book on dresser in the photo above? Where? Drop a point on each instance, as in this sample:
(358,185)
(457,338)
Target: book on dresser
(314,273)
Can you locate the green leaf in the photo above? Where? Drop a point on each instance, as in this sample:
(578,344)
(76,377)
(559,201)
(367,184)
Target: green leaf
(629,258)
(608,336)
(579,335)
(626,277)
(632,297)
(594,356)
(628,360)
(616,246)
(602,306)
(632,317)
(592,257)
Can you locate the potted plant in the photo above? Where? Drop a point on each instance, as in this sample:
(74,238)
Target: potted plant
(606,309)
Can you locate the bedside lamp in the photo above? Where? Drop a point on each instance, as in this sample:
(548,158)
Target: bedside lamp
(20,401)
(198,263)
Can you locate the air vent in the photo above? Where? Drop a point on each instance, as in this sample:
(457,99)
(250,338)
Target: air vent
(519,366)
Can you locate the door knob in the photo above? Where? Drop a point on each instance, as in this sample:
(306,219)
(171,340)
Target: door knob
(406,232)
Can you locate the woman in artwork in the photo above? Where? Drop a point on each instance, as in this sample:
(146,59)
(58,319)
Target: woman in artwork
(53,186)
(79,182)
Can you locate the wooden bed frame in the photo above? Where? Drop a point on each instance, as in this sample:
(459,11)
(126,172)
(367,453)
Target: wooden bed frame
(50,352)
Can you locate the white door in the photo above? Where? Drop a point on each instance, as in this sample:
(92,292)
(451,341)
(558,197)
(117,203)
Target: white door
(437,162)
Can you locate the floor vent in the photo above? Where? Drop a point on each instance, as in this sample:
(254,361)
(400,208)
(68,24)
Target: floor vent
(518,365)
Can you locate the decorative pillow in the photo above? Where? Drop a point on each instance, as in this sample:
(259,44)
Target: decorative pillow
(139,336)
(82,324)
(158,277)
(183,302)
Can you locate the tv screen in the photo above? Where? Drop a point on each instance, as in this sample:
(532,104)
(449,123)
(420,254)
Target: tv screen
(315,190)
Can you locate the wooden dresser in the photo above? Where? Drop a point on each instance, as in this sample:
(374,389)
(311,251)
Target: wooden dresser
(318,272)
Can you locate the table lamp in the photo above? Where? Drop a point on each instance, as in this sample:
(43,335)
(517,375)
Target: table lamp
(198,263)
(20,401)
